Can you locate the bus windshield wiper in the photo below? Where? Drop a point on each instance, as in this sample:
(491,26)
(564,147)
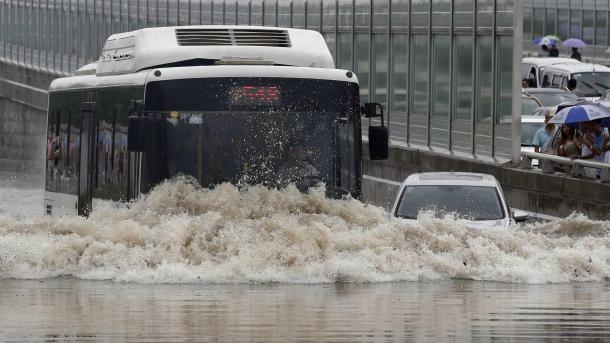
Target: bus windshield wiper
(602,85)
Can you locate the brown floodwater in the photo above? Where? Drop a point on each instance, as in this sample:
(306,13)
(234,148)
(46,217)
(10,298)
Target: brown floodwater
(68,309)
(185,264)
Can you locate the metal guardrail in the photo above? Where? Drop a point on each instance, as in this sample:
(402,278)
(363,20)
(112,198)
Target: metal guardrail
(548,163)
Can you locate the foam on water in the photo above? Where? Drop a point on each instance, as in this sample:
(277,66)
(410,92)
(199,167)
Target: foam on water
(180,233)
(21,202)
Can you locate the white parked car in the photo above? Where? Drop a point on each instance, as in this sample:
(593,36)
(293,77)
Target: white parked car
(477,198)
(530,67)
(592,80)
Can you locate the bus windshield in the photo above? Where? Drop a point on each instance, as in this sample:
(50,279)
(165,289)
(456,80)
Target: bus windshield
(592,84)
(270,131)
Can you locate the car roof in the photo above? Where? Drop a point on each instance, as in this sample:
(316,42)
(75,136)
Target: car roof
(545,61)
(534,91)
(580,67)
(451,178)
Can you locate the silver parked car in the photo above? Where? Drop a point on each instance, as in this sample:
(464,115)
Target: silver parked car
(551,96)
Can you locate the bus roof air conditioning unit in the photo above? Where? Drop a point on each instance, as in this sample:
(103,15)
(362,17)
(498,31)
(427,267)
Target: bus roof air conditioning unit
(159,47)
(233,37)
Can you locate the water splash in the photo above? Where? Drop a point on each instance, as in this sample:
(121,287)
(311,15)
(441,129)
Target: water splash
(180,233)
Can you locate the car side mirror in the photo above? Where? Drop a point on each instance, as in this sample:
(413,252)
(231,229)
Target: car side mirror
(520,216)
(379,136)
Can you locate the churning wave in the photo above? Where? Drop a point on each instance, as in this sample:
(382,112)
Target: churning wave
(180,233)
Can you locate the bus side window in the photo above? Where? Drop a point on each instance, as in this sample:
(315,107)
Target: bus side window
(111,156)
(62,142)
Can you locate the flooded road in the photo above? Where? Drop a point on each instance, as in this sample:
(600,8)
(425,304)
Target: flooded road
(229,264)
(66,309)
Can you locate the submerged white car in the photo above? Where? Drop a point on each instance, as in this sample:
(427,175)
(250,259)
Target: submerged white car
(477,198)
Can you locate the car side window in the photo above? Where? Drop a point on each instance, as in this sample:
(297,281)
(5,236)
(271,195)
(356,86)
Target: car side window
(533,80)
(556,82)
(546,79)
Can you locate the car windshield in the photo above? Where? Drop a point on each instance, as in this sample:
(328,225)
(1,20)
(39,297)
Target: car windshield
(555,98)
(592,84)
(528,131)
(528,105)
(465,202)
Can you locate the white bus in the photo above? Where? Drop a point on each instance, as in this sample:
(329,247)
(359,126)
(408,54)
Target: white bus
(239,104)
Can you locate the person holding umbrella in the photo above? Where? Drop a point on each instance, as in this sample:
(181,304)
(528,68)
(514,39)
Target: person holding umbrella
(586,142)
(601,141)
(575,44)
(545,43)
(576,55)
(588,112)
(544,51)
(542,136)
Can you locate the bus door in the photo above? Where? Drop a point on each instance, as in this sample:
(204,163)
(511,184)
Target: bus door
(87,158)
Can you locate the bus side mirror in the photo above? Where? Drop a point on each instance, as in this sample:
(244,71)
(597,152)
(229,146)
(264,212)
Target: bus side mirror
(370,110)
(378,135)
(378,142)
(137,134)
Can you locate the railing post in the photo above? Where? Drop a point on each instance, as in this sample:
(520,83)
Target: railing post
(547,166)
(605,175)
(526,162)
(577,170)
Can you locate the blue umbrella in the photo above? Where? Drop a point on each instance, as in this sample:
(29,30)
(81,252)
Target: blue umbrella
(574,43)
(546,40)
(578,113)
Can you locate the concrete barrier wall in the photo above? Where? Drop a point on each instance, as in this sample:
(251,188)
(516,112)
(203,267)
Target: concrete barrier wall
(22,139)
(530,190)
